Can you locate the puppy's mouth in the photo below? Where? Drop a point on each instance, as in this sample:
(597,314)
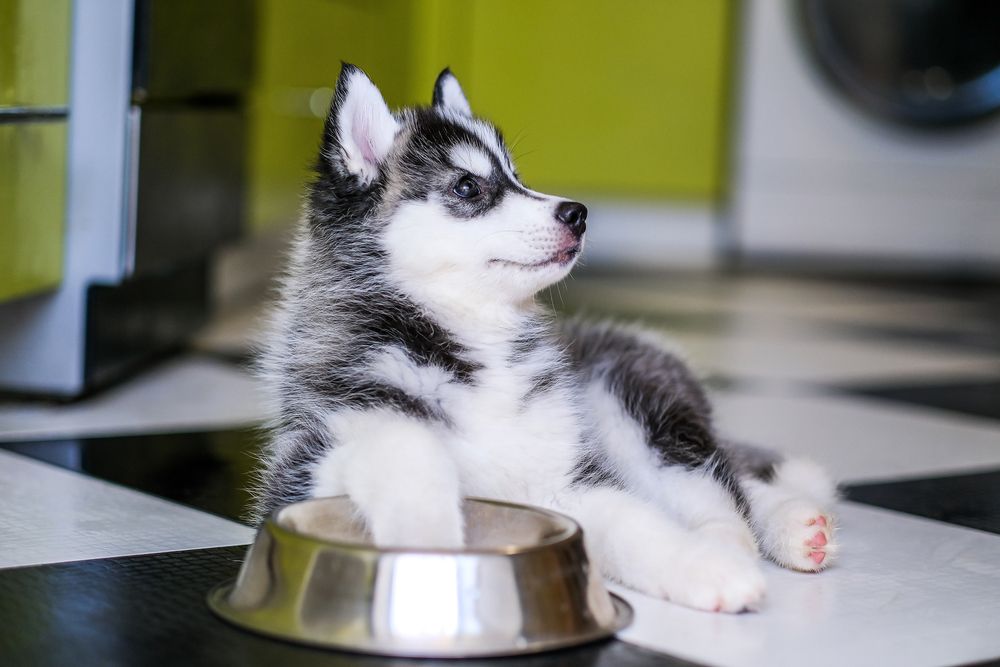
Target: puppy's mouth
(561,258)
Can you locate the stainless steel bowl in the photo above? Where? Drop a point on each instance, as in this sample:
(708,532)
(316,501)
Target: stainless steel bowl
(522,585)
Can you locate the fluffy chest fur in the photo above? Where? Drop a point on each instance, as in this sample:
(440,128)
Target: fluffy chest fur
(513,428)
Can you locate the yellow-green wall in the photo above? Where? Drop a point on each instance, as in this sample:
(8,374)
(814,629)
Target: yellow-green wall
(624,98)
(34,71)
(301,44)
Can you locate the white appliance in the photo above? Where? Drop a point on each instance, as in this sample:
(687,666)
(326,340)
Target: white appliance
(899,171)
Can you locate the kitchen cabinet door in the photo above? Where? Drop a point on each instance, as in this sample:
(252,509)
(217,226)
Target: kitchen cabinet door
(34,53)
(32,206)
(34,94)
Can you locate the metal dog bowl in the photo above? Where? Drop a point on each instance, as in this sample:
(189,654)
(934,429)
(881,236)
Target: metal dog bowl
(522,585)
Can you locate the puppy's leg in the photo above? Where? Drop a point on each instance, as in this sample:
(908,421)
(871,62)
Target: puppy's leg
(636,544)
(791,507)
(655,422)
(286,459)
(398,473)
(708,501)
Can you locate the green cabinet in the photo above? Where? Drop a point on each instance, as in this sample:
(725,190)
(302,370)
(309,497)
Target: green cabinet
(32,206)
(34,52)
(34,75)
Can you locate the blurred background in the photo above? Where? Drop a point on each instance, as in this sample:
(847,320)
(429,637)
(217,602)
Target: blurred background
(804,194)
(153,152)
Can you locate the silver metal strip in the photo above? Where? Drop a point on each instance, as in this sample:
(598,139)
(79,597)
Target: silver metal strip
(132,190)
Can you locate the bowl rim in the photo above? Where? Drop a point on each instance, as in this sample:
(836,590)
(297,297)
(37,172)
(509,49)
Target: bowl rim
(573,532)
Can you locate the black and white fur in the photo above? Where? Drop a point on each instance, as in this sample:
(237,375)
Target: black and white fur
(411,366)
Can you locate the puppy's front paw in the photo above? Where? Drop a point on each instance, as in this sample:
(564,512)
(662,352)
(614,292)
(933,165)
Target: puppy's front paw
(423,526)
(705,575)
(399,476)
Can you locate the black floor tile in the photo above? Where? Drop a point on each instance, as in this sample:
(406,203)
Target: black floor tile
(979,398)
(971,500)
(210,471)
(150,610)
(972,338)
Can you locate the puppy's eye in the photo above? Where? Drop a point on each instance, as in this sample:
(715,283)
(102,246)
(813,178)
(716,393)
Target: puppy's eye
(467,187)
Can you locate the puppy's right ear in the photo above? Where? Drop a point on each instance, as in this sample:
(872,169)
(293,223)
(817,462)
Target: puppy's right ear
(359,129)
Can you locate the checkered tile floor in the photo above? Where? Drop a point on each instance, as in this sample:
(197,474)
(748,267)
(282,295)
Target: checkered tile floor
(896,389)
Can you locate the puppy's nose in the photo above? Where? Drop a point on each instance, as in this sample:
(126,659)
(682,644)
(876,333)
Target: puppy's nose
(573,215)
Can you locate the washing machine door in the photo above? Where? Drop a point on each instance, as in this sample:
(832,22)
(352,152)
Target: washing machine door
(918,62)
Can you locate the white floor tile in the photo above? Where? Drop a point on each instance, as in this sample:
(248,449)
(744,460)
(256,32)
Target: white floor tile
(184,394)
(50,515)
(816,302)
(859,439)
(822,358)
(797,331)
(907,592)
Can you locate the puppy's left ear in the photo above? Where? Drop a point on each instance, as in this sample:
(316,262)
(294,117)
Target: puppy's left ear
(359,129)
(448,94)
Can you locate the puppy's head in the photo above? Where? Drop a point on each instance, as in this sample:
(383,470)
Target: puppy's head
(438,187)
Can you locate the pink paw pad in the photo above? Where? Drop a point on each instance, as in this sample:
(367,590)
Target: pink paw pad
(817,554)
(818,540)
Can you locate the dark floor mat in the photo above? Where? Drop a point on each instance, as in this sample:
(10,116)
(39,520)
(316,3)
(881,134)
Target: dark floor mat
(985,337)
(150,610)
(209,470)
(971,500)
(979,398)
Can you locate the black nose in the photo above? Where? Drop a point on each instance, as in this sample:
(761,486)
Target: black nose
(573,215)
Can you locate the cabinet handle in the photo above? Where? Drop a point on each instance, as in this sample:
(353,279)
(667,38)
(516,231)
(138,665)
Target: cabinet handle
(32,114)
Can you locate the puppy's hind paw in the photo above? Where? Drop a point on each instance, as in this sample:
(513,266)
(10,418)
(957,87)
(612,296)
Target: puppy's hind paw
(801,536)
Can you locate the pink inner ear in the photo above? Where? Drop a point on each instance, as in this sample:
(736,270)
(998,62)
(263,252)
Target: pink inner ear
(363,138)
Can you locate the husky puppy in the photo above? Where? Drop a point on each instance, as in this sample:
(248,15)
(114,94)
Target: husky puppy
(411,366)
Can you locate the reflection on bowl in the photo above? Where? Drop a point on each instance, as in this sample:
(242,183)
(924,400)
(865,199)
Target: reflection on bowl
(521,585)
